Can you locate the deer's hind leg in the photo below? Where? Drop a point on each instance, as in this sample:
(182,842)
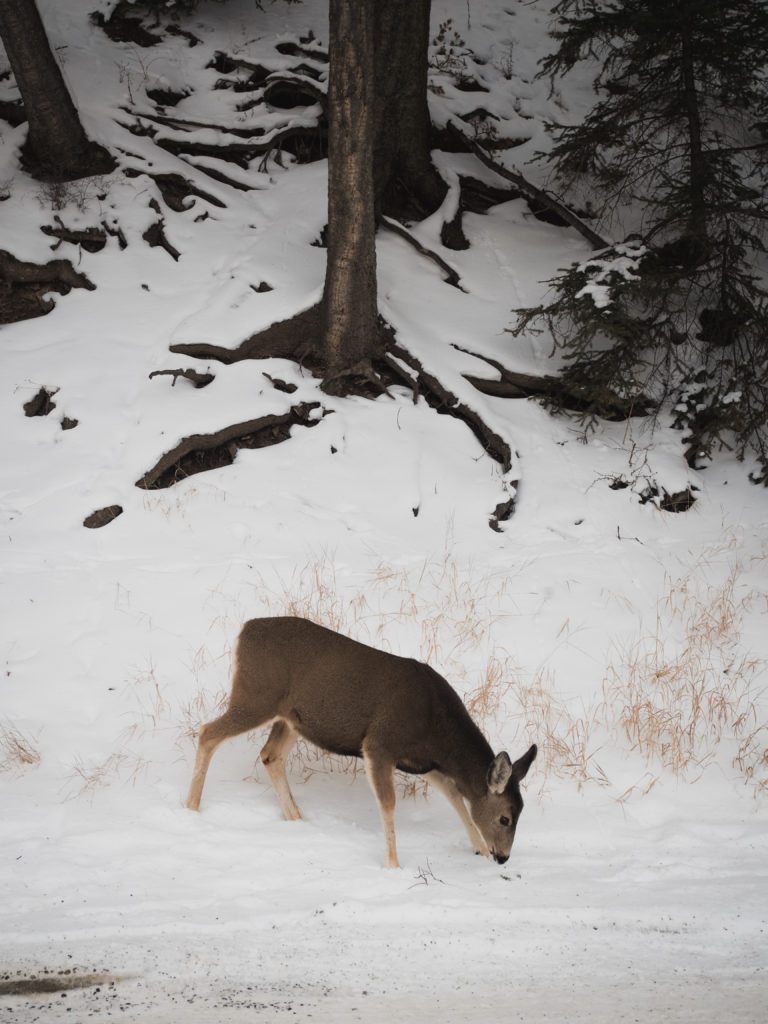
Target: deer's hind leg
(233,722)
(273,756)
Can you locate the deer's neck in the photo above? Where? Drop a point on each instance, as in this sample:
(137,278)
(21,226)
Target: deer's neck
(467,760)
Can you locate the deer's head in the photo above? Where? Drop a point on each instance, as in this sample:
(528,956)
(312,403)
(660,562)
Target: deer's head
(496,812)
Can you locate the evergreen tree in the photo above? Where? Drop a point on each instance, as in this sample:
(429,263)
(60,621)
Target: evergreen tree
(678,140)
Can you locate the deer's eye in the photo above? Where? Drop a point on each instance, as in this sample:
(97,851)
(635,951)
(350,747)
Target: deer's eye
(504,821)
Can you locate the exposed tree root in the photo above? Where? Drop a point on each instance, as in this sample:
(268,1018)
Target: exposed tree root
(200,452)
(90,239)
(226,64)
(296,50)
(154,236)
(102,517)
(24,285)
(295,338)
(542,204)
(446,403)
(286,92)
(198,380)
(41,404)
(451,275)
(178,193)
(512,384)
(305,143)
(166,97)
(187,124)
(122,26)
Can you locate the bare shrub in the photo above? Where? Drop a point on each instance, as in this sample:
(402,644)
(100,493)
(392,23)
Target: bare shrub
(681,690)
(565,739)
(17,750)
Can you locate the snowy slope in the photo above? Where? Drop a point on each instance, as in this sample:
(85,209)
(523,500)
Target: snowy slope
(637,885)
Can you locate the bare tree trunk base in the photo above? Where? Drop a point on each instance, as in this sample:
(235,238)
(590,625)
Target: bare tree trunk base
(92,162)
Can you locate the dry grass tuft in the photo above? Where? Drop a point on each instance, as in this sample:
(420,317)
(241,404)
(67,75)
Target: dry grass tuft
(565,740)
(17,750)
(687,687)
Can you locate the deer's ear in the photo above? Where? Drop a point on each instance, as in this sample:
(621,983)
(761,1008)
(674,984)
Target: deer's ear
(499,773)
(520,767)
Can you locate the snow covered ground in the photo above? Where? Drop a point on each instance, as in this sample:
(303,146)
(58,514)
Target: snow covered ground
(637,887)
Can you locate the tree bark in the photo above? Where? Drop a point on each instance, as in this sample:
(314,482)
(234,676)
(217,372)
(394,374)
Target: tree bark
(406,181)
(57,148)
(349,300)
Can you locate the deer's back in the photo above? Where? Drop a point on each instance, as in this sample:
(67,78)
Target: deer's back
(339,693)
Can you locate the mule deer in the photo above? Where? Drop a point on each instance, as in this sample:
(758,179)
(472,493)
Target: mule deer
(352,699)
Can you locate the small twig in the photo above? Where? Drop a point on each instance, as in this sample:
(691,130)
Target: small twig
(425,876)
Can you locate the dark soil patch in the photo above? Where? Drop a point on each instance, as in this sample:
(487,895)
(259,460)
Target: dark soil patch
(679,501)
(12,111)
(176,30)
(102,517)
(262,286)
(45,982)
(123,26)
(42,404)
(178,193)
(286,94)
(68,424)
(470,85)
(166,97)
(202,452)
(294,50)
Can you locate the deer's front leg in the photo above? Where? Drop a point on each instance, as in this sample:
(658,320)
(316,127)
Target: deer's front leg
(381,775)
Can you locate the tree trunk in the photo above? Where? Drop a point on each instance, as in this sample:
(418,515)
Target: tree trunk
(57,147)
(349,300)
(406,181)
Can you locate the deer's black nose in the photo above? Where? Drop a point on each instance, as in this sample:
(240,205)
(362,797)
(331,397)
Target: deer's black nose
(499,859)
